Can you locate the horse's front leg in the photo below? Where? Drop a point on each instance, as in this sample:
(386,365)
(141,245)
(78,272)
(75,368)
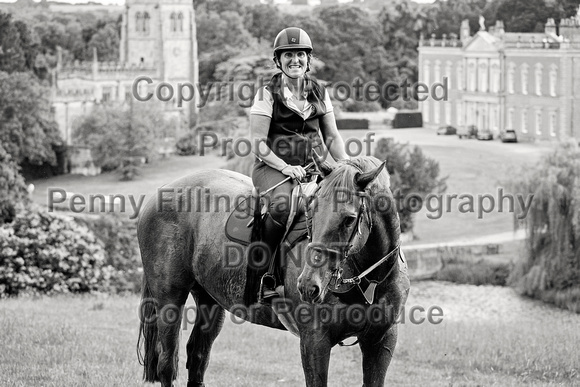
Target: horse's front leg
(377,354)
(315,349)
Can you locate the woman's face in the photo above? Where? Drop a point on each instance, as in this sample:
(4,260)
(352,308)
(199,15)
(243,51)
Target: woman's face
(294,63)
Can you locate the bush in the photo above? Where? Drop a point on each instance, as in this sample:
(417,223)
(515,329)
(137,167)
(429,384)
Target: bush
(187,145)
(119,238)
(12,187)
(479,273)
(411,173)
(46,253)
(550,269)
(49,253)
(351,105)
(352,123)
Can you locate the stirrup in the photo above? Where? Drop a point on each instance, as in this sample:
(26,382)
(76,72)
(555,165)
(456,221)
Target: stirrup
(267,288)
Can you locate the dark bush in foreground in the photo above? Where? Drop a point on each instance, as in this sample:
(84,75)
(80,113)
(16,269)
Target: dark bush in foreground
(50,253)
(46,253)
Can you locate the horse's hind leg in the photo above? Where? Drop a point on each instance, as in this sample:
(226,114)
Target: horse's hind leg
(377,356)
(170,311)
(209,322)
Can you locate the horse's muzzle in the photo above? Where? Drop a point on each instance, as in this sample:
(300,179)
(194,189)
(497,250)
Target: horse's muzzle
(309,290)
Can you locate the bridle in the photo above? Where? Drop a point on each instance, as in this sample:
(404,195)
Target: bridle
(363,213)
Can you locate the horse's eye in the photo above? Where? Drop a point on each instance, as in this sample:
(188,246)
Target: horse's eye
(349,221)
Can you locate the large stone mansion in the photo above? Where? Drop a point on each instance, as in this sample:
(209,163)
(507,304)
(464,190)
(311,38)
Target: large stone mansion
(529,82)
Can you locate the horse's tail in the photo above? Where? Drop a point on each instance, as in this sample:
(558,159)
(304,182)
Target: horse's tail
(147,342)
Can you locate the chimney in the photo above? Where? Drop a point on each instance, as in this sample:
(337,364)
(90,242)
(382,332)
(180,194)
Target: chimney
(465,31)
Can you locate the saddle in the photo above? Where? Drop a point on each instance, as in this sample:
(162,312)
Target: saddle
(243,221)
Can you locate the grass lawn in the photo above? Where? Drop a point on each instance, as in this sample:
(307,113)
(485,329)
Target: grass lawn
(90,341)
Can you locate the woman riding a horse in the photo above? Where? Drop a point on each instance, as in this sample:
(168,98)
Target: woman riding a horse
(349,268)
(289,115)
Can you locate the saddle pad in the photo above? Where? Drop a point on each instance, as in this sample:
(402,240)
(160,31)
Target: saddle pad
(239,223)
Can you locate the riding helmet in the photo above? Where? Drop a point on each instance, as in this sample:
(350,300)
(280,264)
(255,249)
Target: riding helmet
(292,38)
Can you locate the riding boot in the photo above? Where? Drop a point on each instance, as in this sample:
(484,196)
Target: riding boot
(272,235)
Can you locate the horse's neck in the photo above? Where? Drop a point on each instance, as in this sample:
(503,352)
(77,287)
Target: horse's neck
(383,238)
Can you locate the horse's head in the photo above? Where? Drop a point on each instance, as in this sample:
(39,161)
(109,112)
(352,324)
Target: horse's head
(344,211)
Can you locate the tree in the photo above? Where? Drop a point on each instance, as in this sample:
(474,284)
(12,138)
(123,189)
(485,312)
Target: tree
(106,41)
(27,128)
(13,55)
(265,22)
(116,136)
(524,15)
(551,268)
(412,173)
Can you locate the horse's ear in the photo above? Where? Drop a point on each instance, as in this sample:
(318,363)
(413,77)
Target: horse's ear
(361,180)
(323,166)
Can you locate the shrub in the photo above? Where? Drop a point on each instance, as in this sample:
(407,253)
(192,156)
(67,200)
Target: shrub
(12,186)
(46,253)
(551,268)
(351,105)
(479,273)
(411,173)
(49,253)
(187,145)
(119,238)
(352,123)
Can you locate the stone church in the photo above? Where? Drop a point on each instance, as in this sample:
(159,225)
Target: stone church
(157,41)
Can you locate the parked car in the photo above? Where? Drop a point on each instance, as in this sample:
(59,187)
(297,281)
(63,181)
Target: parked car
(446,130)
(484,134)
(508,135)
(467,132)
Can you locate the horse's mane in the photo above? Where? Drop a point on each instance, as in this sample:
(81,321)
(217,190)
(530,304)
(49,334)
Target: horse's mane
(343,175)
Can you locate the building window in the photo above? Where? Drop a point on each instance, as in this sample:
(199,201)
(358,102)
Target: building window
(426,71)
(460,113)
(472,77)
(553,123)
(447,113)
(524,120)
(146,22)
(180,22)
(173,22)
(495,84)
(538,121)
(510,118)
(107,92)
(460,76)
(483,80)
(553,80)
(538,79)
(138,22)
(511,78)
(524,79)
(448,73)
(437,71)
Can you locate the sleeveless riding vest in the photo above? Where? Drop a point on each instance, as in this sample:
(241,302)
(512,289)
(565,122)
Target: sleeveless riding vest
(291,137)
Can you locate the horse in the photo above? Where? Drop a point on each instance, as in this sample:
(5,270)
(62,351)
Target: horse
(349,280)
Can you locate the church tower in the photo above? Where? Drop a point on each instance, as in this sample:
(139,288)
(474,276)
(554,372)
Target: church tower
(160,34)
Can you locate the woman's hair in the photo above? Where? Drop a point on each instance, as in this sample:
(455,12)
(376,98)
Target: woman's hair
(314,90)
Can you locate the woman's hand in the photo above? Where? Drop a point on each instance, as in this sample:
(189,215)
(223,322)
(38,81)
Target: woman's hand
(294,171)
